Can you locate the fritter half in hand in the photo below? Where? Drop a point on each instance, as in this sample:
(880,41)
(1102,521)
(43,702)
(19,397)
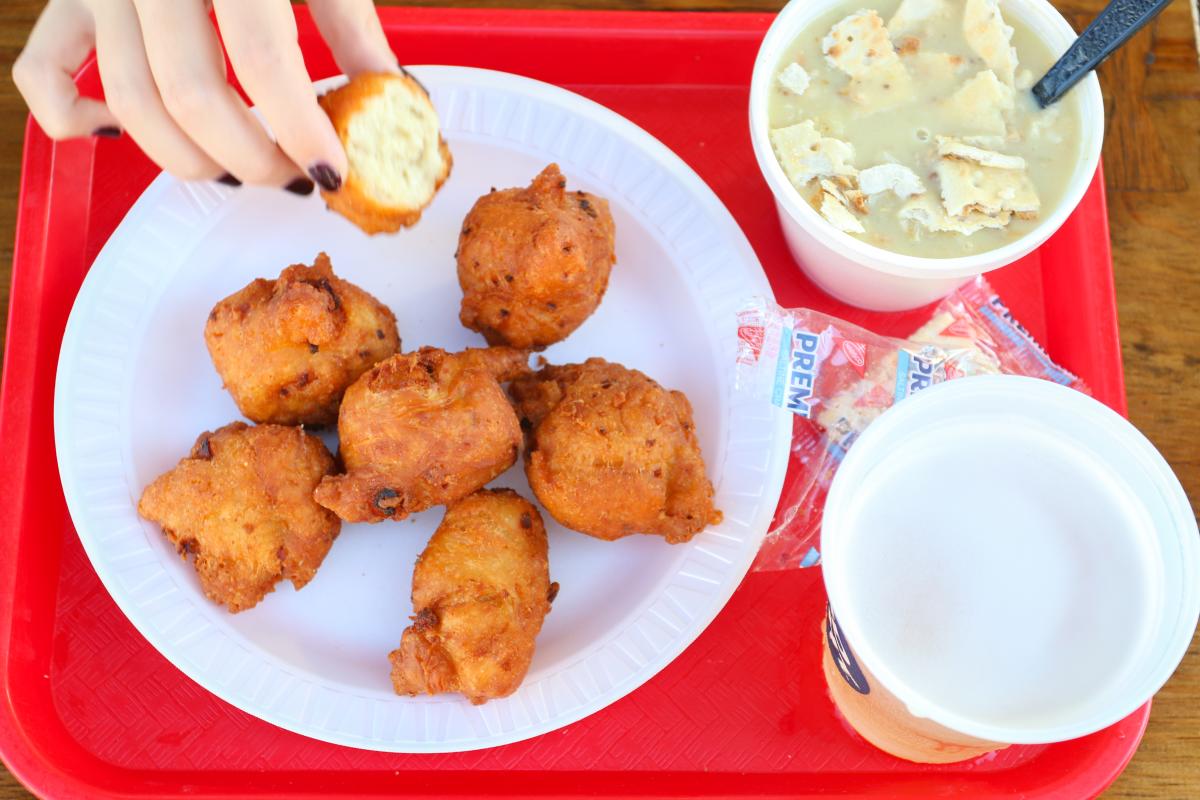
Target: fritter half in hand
(534,263)
(287,349)
(423,429)
(396,155)
(480,592)
(612,453)
(241,505)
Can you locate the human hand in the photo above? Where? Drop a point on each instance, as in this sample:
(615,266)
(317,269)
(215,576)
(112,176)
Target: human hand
(165,84)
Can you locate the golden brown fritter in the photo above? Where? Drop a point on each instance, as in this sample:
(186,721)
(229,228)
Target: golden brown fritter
(612,453)
(534,263)
(480,592)
(423,429)
(287,349)
(397,157)
(241,505)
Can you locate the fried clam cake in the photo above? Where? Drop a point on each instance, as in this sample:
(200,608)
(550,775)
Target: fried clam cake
(241,506)
(533,263)
(424,429)
(611,453)
(480,591)
(288,348)
(395,152)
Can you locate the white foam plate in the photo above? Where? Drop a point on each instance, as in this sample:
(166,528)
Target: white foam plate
(135,387)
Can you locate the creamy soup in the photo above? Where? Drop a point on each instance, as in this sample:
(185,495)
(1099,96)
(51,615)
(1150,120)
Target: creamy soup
(910,125)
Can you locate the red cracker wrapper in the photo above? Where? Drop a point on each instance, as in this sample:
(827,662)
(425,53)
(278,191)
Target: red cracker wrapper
(837,378)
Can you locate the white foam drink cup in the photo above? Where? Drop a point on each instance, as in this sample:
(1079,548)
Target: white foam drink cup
(1008,561)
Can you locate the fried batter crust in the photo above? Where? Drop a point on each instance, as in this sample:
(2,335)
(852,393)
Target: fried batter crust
(241,505)
(480,592)
(423,429)
(288,348)
(612,453)
(534,263)
(352,200)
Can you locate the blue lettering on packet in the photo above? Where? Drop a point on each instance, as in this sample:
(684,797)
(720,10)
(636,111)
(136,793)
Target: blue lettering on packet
(802,372)
(843,658)
(920,375)
(913,373)
(1015,332)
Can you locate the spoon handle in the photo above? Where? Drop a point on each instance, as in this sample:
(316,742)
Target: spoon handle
(1119,20)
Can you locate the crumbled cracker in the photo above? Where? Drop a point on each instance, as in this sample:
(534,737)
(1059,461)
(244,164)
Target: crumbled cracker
(896,178)
(949,147)
(968,357)
(805,154)
(925,211)
(934,332)
(839,215)
(851,410)
(794,78)
(936,72)
(834,188)
(913,14)
(882,88)
(986,142)
(979,105)
(858,44)
(969,188)
(990,38)
(846,191)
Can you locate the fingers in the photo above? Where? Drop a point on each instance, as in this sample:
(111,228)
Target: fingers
(260,38)
(133,97)
(186,62)
(58,44)
(351,29)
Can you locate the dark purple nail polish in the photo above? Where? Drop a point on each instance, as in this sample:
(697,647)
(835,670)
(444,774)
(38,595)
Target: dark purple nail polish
(300,186)
(108,132)
(229,180)
(326,176)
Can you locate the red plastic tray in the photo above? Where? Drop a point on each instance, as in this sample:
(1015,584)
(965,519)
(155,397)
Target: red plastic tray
(91,710)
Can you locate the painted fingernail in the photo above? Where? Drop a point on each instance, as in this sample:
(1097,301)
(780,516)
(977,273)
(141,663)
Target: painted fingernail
(300,186)
(229,180)
(108,132)
(326,176)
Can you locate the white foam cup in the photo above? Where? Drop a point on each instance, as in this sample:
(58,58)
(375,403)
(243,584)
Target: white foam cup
(1008,561)
(868,276)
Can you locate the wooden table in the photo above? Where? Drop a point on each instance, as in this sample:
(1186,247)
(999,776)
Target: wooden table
(1152,165)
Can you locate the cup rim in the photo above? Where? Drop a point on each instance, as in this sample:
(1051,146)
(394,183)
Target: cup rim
(784,30)
(1178,622)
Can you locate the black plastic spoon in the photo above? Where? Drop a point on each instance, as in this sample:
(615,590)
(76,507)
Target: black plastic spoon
(1119,20)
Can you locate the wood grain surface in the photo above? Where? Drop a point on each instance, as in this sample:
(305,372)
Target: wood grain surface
(1152,163)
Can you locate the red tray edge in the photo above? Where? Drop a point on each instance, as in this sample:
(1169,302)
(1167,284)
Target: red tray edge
(20,756)
(1092,296)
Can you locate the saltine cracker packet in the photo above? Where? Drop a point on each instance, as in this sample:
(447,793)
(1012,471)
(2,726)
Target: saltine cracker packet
(837,378)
